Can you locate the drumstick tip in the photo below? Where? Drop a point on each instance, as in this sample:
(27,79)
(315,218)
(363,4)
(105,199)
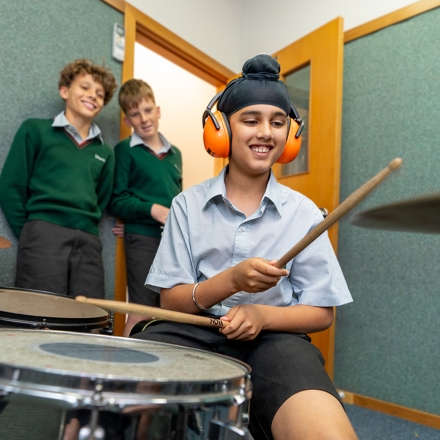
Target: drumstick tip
(81,299)
(395,163)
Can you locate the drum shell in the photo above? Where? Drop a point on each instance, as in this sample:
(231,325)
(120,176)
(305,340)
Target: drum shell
(163,408)
(46,420)
(34,309)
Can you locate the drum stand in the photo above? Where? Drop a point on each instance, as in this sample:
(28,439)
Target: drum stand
(92,431)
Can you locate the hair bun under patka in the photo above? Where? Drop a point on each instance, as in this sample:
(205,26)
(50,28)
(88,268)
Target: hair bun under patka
(263,66)
(259,84)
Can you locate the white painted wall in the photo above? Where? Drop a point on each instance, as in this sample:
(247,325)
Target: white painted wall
(267,27)
(211,26)
(231,31)
(182,98)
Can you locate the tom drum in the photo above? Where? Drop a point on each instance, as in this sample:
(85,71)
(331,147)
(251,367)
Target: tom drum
(43,310)
(64,385)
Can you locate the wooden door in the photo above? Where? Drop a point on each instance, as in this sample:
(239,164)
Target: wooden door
(312,70)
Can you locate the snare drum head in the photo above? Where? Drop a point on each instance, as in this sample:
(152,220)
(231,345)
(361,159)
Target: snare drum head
(27,308)
(126,370)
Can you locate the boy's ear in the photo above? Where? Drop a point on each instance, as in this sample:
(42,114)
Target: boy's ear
(64,90)
(127,122)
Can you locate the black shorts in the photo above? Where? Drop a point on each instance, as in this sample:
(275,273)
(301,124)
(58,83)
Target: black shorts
(140,251)
(283,364)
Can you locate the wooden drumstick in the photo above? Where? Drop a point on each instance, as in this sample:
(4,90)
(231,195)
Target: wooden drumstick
(350,202)
(4,244)
(155,312)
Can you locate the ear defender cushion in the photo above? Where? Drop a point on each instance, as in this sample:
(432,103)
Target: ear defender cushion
(217,142)
(293,144)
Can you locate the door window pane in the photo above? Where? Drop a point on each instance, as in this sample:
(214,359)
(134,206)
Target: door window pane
(298,85)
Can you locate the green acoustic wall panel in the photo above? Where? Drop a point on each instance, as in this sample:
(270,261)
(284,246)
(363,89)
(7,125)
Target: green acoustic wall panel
(38,38)
(388,339)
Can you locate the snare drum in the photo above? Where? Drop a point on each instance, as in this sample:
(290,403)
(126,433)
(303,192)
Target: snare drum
(106,387)
(43,310)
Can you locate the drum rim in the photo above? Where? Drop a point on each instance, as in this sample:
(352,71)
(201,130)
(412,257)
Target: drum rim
(29,380)
(34,291)
(34,321)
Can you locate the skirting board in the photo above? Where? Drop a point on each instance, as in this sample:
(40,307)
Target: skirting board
(413,415)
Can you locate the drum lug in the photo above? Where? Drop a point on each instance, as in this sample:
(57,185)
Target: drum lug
(106,331)
(243,409)
(242,403)
(225,430)
(42,325)
(238,400)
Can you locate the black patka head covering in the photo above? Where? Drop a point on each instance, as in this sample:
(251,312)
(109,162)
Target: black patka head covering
(258,84)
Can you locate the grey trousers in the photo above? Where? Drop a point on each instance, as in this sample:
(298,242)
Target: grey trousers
(62,260)
(140,251)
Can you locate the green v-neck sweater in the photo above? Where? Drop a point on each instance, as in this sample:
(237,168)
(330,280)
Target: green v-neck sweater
(141,180)
(47,176)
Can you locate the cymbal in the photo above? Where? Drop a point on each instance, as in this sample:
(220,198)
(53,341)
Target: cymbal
(4,244)
(412,215)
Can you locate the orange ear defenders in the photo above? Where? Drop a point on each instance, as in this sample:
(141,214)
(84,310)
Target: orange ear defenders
(217,134)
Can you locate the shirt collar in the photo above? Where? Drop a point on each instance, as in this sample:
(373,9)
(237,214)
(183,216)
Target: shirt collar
(137,140)
(217,187)
(61,121)
(272,193)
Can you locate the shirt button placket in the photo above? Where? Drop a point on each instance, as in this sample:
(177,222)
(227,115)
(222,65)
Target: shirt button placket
(240,245)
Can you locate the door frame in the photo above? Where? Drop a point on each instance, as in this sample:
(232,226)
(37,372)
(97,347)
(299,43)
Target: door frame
(142,29)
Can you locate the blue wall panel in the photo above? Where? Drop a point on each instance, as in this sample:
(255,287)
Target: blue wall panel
(38,38)
(388,339)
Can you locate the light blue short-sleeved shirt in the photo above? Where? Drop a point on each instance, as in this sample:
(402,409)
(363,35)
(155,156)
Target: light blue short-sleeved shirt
(205,234)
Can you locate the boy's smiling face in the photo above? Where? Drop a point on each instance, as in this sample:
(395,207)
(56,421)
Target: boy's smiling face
(144,119)
(259,135)
(84,98)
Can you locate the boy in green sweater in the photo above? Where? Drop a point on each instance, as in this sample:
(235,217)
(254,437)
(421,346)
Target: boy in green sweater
(148,176)
(55,185)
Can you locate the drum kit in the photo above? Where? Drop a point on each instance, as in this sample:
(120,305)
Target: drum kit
(58,357)
(59,360)
(105,387)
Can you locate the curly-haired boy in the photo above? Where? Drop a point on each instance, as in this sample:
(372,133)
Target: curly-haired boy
(55,184)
